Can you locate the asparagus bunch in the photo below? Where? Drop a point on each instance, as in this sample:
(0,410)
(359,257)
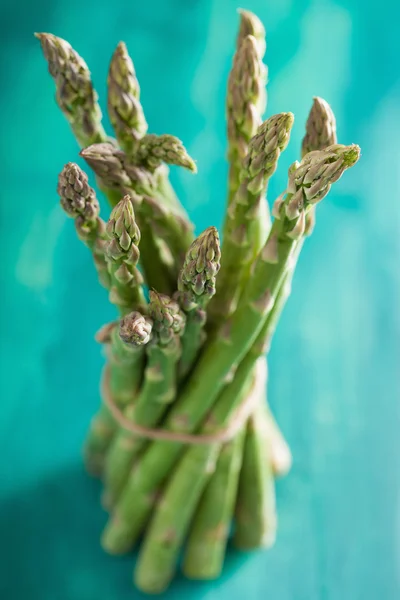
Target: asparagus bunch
(184,439)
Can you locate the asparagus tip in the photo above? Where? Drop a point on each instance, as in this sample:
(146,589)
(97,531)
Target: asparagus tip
(166,315)
(198,275)
(250,24)
(77,198)
(320,127)
(122,229)
(135,329)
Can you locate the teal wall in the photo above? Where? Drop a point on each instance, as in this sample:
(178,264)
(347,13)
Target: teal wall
(334,385)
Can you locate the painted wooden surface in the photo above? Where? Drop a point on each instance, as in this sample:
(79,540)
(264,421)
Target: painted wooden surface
(335,382)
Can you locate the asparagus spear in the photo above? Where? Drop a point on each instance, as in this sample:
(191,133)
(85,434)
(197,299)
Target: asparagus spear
(128,120)
(158,555)
(208,537)
(239,244)
(254,503)
(320,133)
(245,105)
(157,392)
(75,94)
(79,201)
(196,285)
(126,359)
(123,255)
(246,102)
(307,185)
(209,532)
(255,511)
(124,107)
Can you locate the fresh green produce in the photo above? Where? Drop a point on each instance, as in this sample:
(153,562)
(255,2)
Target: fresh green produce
(184,441)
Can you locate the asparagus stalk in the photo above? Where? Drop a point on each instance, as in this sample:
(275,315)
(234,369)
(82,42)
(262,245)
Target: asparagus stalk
(246,102)
(196,285)
(128,120)
(307,185)
(123,255)
(208,537)
(79,201)
(156,394)
(124,107)
(245,105)
(75,94)
(255,502)
(209,532)
(240,244)
(172,516)
(126,359)
(255,511)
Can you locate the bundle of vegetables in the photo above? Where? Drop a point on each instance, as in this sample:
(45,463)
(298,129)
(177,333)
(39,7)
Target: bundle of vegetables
(184,441)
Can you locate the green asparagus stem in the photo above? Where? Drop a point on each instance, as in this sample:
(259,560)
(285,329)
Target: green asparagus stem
(156,394)
(246,102)
(123,255)
(255,522)
(75,94)
(172,229)
(79,201)
(196,285)
(128,120)
(124,107)
(256,506)
(308,183)
(205,551)
(245,105)
(240,244)
(126,354)
(122,176)
(126,360)
(157,560)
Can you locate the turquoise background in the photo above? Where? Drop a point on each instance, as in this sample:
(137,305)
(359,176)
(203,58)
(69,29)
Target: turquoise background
(335,383)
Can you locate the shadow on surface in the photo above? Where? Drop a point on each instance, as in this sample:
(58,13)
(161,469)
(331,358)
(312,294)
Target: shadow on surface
(50,546)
